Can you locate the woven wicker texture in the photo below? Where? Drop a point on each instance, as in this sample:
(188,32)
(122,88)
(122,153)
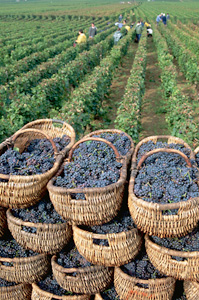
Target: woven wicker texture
(98,297)
(23,191)
(20,291)
(148,216)
(88,280)
(3,223)
(39,294)
(25,269)
(127,287)
(98,132)
(164,260)
(49,238)
(123,246)
(101,204)
(54,128)
(191,289)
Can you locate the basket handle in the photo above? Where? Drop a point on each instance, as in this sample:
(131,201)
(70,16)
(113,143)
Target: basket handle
(144,157)
(93,139)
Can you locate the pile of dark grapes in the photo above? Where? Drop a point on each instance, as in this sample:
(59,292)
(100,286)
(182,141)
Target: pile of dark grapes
(187,243)
(119,140)
(69,257)
(123,222)
(42,212)
(165,178)
(146,147)
(11,249)
(6,283)
(94,165)
(197,158)
(37,158)
(110,294)
(49,284)
(142,268)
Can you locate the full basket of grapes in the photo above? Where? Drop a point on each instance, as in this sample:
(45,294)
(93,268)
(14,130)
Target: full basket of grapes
(14,291)
(20,265)
(48,289)
(3,223)
(75,274)
(111,244)
(140,280)
(163,193)
(60,131)
(25,170)
(191,289)
(90,186)
(120,139)
(39,228)
(176,257)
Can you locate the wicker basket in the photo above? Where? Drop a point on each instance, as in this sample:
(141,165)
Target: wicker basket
(98,132)
(149,217)
(39,294)
(54,128)
(24,269)
(3,220)
(164,260)
(98,297)
(88,280)
(20,291)
(123,246)
(49,238)
(101,204)
(127,287)
(191,289)
(22,191)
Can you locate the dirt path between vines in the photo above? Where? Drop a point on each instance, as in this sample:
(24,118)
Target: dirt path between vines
(152,110)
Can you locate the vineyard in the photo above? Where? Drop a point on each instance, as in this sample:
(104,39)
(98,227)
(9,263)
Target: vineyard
(140,91)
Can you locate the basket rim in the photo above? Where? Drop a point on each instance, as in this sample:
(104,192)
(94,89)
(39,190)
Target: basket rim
(196,150)
(22,259)
(167,251)
(18,221)
(143,281)
(13,287)
(196,283)
(104,236)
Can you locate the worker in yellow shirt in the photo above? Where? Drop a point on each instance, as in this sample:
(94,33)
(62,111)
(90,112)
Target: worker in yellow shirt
(81,37)
(147,25)
(127,27)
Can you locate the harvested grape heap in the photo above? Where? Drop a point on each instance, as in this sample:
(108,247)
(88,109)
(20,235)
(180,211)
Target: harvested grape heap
(4,282)
(37,158)
(42,212)
(197,158)
(119,140)
(110,294)
(49,284)
(188,243)
(165,178)
(146,147)
(69,257)
(10,248)
(94,165)
(142,268)
(123,222)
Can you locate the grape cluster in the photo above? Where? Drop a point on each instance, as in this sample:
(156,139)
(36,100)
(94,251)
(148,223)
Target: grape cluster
(69,257)
(150,145)
(49,284)
(110,294)
(37,158)
(6,283)
(142,268)
(197,158)
(10,248)
(94,165)
(119,140)
(165,178)
(188,243)
(42,212)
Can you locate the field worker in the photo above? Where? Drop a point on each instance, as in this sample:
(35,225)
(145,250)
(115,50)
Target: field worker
(117,36)
(81,37)
(158,19)
(127,27)
(164,20)
(120,18)
(168,16)
(92,31)
(138,31)
(147,25)
(149,32)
